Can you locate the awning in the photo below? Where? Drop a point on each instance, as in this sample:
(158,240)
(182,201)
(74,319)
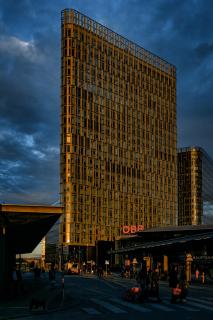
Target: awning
(168,242)
(26,225)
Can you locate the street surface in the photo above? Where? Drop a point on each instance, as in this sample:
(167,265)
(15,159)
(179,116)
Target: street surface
(92,298)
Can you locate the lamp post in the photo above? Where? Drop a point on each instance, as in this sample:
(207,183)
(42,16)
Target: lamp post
(61,258)
(3,260)
(111,257)
(79,256)
(87,252)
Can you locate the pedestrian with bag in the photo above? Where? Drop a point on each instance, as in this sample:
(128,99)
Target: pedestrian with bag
(183,285)
(173,283)
(142,281)
(155,284)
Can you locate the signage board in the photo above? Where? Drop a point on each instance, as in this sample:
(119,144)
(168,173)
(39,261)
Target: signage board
(65,249)
(132,229)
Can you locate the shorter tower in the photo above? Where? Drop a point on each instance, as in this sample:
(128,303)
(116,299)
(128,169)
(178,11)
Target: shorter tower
(195,186)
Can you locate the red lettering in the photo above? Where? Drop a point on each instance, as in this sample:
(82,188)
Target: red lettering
(140,228)
(133,229)
(126,229)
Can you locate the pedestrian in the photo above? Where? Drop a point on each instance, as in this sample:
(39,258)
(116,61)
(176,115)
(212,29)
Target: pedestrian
(173,282)
(37,272)
(52,275)
(183,285)
(155,284)
(197,274)
(15,282)
(142,281)
(131,270)
(122,271)
(100,271)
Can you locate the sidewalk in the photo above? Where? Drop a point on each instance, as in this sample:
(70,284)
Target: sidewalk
(33,289)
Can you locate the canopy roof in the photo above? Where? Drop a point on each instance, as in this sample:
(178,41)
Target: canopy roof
(26,225)
(166,237)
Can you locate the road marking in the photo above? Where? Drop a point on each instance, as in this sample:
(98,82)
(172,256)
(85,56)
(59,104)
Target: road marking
(207,298)
(181,306)
(161,307)
(91,311)
(200,300)
(130,305)
(95,291)
(123,284)
(108,306)
(196,304)
(109,284)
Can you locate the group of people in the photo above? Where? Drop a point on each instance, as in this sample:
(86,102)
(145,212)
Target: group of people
(128,272)
(149,283)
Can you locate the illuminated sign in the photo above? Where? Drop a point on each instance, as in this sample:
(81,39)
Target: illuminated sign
(132,229)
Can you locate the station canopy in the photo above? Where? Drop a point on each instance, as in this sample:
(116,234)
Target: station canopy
(162,237)
(26,225)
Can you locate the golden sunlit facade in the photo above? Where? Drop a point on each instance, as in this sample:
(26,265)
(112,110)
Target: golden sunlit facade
(118,134)
(195,186)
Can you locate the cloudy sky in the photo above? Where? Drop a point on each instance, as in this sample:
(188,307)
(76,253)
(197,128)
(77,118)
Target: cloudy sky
(180,31)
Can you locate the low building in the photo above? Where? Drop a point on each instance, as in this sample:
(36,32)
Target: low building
(167,245)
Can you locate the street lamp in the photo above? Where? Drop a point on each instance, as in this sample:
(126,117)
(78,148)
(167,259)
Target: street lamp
(79,256)
(87,252)
(111,257)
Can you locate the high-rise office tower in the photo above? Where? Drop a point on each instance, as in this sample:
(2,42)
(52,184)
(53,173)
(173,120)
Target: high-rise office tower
(195,186)
(118,134)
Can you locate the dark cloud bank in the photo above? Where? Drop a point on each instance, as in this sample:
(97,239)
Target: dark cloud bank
(179,31)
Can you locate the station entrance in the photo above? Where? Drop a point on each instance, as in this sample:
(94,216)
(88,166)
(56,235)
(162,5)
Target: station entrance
(189,246)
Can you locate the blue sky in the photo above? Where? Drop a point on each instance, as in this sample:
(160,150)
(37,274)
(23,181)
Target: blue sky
(176,30)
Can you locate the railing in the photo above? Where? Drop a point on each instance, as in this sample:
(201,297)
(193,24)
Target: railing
(73,16)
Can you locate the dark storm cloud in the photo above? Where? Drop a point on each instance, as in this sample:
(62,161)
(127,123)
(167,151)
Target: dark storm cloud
(29,106)
(179,31)
(204,50)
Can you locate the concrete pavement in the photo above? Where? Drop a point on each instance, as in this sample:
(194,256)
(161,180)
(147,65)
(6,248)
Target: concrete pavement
(40,289)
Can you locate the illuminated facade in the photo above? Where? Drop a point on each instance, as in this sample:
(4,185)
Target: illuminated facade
(118,134)
(195,186)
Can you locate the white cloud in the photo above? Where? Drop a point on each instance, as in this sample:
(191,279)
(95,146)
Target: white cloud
(28,140)
(38,154)
(17,47)
(53,150)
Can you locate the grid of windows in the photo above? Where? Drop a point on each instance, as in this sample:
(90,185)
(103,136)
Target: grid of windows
(118,136)
(195,185)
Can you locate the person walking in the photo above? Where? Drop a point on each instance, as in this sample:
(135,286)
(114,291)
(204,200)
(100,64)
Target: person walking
(183,285)
(100,272)
(142,281)
(173,282)
(155,284)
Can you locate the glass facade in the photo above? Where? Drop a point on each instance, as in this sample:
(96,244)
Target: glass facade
(118,134)
(195,186)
